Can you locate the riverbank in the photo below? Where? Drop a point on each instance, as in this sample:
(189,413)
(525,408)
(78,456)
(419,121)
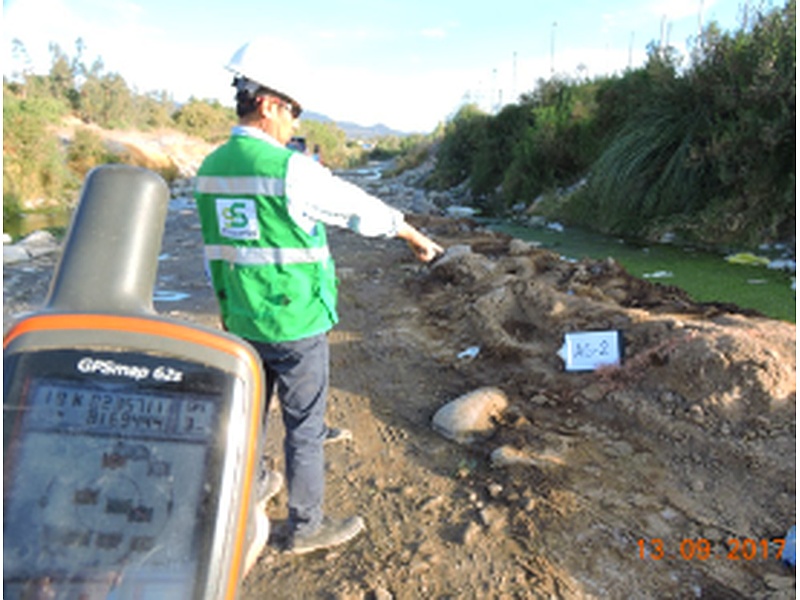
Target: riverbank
(690,443)
(763,281)
(764,285)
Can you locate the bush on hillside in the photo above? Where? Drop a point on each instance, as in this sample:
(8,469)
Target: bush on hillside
(33,162)
(411,152)
(556,144)
(205,119)
(86,151)
(462,137)
(331,140)
(712,153)
(707,150)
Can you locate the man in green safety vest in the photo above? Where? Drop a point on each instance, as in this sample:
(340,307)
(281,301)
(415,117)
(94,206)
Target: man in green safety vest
(262,207)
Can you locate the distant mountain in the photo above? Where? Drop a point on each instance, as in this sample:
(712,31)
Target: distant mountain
(353,131)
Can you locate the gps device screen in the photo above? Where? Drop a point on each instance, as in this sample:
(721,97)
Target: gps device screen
(110,462)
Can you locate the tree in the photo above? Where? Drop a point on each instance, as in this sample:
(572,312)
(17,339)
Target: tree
(105,98)
(205,119)
(331,140)
(62,77)
(462,137)
(33,164)
(152,111)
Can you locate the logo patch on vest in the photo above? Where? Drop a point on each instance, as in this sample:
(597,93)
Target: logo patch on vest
(237,218)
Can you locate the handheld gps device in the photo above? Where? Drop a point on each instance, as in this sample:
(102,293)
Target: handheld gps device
(130,440)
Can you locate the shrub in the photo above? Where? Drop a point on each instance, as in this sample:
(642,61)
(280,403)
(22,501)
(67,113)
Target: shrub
(708,150)
(331,141)
(33,163)
(462,138)
(205,119)
(86,151)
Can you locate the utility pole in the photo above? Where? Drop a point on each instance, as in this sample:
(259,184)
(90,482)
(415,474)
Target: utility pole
(700,26)
(630,52)
(492,98)
(553,49)
(514,79)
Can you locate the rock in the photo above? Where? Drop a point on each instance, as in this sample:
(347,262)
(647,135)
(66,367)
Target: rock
(460,265)
(779,582)
(182,187)
(14,254)
(493,519)
(470,417)
(520,248)
(432,503)
(34,245)
(494,490)
(506,456)
(420,204)
(697,414)
(41,238)
(454,252)
(540,400)
(470,533)
(594,392)
(381,593)
(460,211)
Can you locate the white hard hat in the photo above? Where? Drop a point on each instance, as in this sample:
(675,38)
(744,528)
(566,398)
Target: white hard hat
(264,64)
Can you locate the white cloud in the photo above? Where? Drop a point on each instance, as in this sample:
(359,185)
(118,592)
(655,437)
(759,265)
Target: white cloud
(434,32)
(413,102)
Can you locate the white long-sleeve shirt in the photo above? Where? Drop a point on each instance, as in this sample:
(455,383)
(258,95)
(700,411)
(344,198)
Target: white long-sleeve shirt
(315,194)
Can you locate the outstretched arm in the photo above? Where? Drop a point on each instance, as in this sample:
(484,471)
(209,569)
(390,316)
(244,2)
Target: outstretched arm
(423,247)
(315,194)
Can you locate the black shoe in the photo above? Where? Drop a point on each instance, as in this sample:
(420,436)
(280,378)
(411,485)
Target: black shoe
(332,532)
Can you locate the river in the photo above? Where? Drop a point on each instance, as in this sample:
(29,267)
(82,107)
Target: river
(706,276)
(26,223)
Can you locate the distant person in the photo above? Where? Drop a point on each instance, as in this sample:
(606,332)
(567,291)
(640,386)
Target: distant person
(317,154)
(297,143)
(262,208)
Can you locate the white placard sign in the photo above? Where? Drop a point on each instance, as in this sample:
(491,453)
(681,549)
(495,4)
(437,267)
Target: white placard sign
(587,350)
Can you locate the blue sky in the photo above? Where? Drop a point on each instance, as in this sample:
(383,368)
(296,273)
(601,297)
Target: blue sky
(407,64)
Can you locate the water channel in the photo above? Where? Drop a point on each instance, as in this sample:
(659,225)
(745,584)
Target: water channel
(706,276)
(25,223)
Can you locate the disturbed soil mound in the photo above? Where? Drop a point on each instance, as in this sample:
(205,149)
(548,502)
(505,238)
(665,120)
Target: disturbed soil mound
(691,438)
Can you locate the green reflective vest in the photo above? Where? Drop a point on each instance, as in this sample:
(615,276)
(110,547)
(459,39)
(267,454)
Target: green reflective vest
(274,281)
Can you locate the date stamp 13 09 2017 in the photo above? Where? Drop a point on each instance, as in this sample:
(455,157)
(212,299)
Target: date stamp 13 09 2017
(733,549)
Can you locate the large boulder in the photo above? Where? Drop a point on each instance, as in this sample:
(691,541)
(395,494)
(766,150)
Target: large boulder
(472,416)
(34,245)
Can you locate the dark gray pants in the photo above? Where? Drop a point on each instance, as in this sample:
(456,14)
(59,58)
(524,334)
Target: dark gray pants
(299,370)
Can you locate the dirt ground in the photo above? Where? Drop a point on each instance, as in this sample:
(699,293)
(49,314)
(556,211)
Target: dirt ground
(667,477)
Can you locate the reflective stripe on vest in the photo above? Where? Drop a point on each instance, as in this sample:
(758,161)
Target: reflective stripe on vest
(238,255)
(245,185)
